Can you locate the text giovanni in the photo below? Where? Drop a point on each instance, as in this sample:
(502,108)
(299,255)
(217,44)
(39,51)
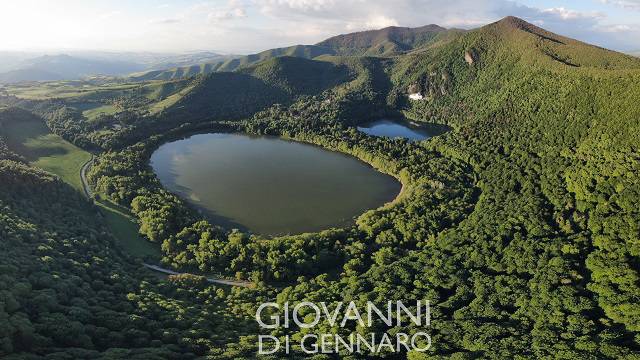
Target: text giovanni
(310,317)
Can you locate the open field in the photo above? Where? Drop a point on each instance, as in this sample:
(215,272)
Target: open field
(33,140)
(94,99)
(63,89)
(92,110)
(126,230)
(169,100)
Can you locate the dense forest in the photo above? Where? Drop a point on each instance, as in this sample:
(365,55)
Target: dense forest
(521,225)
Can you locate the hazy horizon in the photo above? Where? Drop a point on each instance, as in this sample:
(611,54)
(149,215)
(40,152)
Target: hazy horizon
(246,26)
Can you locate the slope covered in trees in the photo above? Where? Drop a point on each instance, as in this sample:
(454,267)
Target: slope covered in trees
(232,96)
(380,43)
(389,41)
(301,51)
(67,290)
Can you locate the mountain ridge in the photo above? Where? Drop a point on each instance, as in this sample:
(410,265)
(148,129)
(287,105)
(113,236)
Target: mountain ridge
(384,42)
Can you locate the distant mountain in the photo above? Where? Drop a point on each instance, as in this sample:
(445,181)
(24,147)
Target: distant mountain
(58,67)
(159,62)
(28,74)
(384,42)
(149,60)
(19,66)
(233,63)
(252,88)
(11,60)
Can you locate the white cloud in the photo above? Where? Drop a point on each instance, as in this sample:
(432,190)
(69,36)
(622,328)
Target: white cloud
(627,4)
(110,15)
(568,14)
(165,21)
(325,18)
(252,25)
(226,14)
(372,22)
(299,5)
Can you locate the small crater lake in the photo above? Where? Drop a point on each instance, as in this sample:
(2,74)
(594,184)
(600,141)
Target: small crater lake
(403,129)
(268,185)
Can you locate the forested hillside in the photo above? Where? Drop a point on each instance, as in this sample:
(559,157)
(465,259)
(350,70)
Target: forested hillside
(69,292)
(378,43)
(520,225)
(384,42)
(232,96)
(301,51)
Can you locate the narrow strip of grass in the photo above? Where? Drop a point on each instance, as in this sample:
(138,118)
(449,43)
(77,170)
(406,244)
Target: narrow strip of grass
(126,231)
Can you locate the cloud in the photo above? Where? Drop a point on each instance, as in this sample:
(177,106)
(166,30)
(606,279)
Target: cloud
(165,21)
(109,15)
(302,6)
(243,26)
(372,22)
(226,14)
(568,14)
(330,17)
(619,28)
(627,4)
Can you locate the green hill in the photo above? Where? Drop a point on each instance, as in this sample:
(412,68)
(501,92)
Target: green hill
(233,95)
(561,117)
(302,51)
(384,42)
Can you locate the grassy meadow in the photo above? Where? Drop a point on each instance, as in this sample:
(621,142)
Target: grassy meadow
(33,140)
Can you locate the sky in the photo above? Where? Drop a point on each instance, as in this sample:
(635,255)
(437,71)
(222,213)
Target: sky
(246,26)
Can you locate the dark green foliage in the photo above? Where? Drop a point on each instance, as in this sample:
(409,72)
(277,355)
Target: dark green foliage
(384,42)
(230,96)
(299,51)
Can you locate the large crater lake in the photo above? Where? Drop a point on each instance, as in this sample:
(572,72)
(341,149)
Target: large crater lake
(268,185)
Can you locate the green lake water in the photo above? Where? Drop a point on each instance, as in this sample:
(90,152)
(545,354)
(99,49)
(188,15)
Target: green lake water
(268,185)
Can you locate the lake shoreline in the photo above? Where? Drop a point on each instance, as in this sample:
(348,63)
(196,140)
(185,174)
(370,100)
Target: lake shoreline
(309,185)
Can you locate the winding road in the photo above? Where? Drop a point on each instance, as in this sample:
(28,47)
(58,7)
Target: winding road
(83,177)
(89,194)
(211,280)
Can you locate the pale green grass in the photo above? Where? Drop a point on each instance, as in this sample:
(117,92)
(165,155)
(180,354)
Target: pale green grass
(33,141)
(99,110)
(65,89)
(125,230)
(169,100)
